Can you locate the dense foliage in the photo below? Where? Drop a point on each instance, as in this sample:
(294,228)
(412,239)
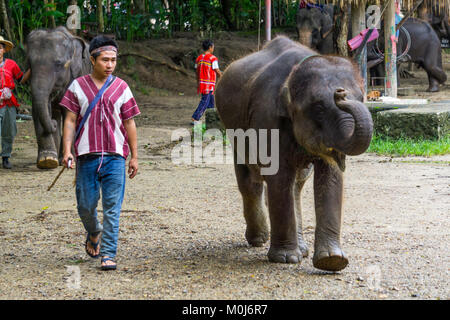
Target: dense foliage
(140,19)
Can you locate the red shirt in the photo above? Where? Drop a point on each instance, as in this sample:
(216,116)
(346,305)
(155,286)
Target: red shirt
(8,72)
(205,64)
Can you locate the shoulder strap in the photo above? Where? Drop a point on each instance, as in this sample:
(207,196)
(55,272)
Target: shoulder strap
(93,103)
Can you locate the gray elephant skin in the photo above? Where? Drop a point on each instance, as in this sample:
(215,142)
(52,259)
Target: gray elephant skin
(317,107)
(425,52)
(315,28)
(56,57)
(437,17)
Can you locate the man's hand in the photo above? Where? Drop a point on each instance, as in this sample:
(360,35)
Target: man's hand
(67,157)
(132,168)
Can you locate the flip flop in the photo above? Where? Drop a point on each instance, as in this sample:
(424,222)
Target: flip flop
(109,267)
(94,246)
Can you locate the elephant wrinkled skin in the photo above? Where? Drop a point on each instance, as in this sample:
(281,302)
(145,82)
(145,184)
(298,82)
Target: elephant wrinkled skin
(56,57)
(317,108)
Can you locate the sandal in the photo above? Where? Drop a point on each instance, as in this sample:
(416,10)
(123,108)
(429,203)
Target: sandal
(94,246)
(108,267)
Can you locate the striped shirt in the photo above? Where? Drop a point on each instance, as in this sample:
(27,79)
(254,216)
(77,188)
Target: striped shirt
(205,66)
(103,132)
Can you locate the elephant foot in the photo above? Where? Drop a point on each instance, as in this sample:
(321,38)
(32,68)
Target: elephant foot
(433,89)
(282,255)
(330,257)
(47,161)
(256,239)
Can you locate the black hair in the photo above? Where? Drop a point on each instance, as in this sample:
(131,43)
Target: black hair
(207,44)
(101,41)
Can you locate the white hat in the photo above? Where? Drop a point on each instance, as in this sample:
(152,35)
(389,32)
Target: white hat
(8,44)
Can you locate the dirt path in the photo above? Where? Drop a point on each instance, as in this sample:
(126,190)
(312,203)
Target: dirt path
(182,229)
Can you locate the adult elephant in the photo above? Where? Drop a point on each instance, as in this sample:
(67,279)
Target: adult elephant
(425,51)
(438,17)
(56,57)
(315,27)
(315,104)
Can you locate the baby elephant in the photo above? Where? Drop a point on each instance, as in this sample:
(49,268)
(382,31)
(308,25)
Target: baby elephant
(313,105)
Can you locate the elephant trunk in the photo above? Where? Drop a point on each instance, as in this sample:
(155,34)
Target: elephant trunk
(40,91)
(305,37)
(353,140)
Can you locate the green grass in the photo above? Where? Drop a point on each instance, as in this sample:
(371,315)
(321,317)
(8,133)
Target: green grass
(409,147)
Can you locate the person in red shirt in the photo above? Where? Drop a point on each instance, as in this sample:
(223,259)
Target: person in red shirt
(207,66)
(9,71)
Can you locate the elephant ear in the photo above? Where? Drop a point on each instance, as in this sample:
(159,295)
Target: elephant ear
(78,56)
(327,26)
(285,101)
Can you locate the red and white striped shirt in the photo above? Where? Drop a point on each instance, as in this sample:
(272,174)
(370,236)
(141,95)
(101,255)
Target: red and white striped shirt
(103,132)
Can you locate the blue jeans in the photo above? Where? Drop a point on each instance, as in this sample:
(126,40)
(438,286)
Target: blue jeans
(110,179)
(207,102)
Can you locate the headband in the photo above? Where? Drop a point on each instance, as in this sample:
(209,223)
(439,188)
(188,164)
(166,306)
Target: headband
(105,48)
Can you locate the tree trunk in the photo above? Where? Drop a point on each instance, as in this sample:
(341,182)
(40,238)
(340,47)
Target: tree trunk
(139,6)
(4,16)
(341,40)
(101,22)
(227,5)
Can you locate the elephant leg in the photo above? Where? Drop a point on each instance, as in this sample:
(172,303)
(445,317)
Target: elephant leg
(301,178)
(283,232)
(47,157)
(433,84)
(328,192)
(433,67)
(255,212)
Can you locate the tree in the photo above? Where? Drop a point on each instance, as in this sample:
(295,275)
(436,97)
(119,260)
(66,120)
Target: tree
(227,6)
(5,19)
(101,22)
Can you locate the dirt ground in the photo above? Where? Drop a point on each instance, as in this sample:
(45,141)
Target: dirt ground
(182,227)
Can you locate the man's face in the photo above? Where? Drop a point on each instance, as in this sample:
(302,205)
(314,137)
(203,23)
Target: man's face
(105,63)
(2,51)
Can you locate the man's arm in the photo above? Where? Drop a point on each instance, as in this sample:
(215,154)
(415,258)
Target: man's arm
(68,136)
(219,73)
(130,127)
(26,76)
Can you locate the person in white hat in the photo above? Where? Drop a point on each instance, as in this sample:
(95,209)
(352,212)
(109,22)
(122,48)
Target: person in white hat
(9,71)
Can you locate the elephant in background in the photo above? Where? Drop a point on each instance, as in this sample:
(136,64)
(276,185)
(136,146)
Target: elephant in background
(425,52)
(314,102)
(56,57)
(437,17)
(315,27)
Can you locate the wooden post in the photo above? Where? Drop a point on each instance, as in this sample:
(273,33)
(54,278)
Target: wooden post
(268,17)
(358,25)
(390,54)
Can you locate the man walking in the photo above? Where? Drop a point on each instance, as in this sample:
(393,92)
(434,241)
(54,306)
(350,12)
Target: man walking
(207,66)
(9,71)
(104,133)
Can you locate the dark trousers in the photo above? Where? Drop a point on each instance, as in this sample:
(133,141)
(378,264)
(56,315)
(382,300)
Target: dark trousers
(207,102)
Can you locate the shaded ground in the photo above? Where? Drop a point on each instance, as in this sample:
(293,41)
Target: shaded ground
(182,228)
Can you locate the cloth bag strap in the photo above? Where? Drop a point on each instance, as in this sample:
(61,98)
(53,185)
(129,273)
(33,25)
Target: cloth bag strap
(93,103)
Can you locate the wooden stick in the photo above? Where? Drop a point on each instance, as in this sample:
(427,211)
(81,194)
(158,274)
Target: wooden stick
(56,179)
